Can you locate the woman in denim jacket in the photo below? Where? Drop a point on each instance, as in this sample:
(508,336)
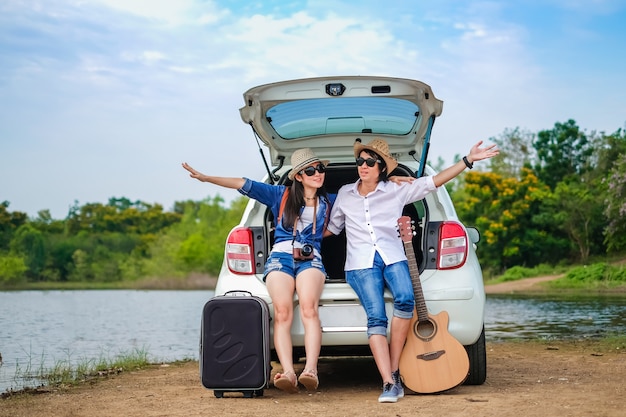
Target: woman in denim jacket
(294,263)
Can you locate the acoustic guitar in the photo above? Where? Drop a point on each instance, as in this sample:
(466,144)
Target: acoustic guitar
(432,360)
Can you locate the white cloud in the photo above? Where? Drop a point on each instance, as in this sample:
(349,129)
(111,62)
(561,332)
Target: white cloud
(173,12)
(152,56)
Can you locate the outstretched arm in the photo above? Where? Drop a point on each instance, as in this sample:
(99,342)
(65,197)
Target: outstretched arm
(476,154)
(227,182)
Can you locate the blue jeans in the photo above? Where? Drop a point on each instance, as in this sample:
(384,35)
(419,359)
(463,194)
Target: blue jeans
(369,284)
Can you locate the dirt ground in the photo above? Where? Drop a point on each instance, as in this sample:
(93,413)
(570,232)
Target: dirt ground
(574,378)
(529,285)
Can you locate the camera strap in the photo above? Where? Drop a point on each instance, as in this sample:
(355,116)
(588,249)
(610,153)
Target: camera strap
(283,201)
(295,223)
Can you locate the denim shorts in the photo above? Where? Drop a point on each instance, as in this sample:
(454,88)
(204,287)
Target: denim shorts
(369,284)
(284,262)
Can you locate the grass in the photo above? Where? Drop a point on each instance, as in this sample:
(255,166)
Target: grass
(519,272)
(63,373)
(611,343)
(600,276)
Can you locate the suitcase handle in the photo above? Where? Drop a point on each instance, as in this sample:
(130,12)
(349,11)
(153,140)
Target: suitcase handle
(238,293)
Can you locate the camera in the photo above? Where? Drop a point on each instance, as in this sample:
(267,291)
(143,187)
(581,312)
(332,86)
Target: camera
(304,253)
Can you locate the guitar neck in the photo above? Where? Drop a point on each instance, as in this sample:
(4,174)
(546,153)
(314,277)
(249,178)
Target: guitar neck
(420,303)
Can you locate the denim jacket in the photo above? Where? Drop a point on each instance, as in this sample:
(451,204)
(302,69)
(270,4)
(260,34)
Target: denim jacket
(271,196)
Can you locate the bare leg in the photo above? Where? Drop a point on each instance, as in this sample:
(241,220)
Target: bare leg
(380,349)
(281,288)
(399,331)
(309,286)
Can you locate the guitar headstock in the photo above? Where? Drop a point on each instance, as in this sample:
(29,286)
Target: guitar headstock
(406,228)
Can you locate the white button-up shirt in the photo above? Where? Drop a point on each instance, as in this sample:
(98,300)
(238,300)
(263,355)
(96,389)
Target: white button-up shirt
(371,221)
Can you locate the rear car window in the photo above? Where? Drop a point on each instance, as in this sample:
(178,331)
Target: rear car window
(323,116)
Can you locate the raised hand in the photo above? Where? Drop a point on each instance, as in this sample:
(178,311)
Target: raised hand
(478,154)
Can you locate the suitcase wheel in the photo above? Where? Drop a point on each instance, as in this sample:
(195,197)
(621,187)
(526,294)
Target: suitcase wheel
(246,394)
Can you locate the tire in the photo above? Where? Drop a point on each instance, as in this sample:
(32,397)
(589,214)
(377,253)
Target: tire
(477,354)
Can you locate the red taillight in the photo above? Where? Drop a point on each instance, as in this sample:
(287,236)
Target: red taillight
(452,245)
(240,252)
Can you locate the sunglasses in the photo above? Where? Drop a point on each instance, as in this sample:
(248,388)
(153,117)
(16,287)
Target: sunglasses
(369,161)
(310,171)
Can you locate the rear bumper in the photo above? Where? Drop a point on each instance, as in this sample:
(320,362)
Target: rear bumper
(345,323)
(343,320)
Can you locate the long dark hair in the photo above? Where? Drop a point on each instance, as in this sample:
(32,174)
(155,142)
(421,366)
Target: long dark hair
(295,202)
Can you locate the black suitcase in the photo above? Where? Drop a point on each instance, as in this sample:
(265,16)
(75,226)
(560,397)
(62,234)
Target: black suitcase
(235,345)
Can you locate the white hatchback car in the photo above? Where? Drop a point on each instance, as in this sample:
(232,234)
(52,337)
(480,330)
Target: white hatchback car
(328,114)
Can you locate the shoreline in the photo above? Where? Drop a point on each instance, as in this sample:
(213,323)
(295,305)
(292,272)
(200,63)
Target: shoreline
(203,282)
(519,374)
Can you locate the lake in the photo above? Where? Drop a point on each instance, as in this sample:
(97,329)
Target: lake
(42,328)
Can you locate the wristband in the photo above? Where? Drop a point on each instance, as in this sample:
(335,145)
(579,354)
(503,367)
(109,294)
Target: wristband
(467,163)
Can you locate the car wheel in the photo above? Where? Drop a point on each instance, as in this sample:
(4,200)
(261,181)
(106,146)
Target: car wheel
(477,354)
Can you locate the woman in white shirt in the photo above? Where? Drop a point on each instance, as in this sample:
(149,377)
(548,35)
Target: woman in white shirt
(369,209)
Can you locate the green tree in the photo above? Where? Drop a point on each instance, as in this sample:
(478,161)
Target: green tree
(121,216)
(615,210)
(196,244)
(516,152)
(12,269)
(577,210)
(46,224)
(209,224)
(80,268)
(608,150)
(562,152)
(9,222)
(28,242)
(114,239)
(504,210)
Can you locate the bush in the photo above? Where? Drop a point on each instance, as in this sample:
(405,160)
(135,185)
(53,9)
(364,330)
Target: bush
(12,269)
(602,274)
(519,272)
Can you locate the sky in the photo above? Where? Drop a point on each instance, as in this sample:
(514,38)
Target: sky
(104,99)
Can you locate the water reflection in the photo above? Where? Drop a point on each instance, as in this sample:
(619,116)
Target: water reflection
(40,329)
(520,317)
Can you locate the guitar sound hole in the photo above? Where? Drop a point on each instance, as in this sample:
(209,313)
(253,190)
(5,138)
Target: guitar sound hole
(425,330)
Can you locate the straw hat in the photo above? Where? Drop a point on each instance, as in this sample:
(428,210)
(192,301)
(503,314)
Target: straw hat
(302,158)
(381,148)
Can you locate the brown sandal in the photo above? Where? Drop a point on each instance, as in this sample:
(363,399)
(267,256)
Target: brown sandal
(286,382)
(309,379)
